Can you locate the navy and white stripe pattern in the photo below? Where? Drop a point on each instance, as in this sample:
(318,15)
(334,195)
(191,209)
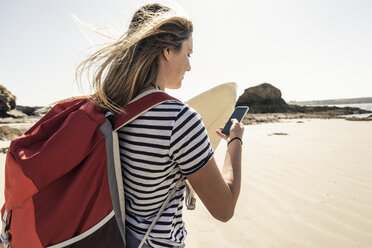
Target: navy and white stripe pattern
(157,149)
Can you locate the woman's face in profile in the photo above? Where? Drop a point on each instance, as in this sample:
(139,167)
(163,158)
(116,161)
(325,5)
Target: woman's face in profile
(179,63)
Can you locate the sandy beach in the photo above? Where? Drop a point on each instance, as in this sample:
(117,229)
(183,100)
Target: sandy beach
(305,183)
(309,188)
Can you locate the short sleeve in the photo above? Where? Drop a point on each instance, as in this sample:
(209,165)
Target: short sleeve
(189,145)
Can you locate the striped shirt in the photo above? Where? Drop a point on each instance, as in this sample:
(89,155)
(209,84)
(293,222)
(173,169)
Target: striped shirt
(157,149)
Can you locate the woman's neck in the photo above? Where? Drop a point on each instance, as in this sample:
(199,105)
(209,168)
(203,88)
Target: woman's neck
(161,78)
(155,86)
(150,86)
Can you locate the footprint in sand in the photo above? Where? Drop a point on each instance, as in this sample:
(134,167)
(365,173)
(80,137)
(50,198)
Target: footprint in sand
(277,134)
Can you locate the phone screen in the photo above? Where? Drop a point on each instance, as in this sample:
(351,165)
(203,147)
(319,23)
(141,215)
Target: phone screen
(238,114)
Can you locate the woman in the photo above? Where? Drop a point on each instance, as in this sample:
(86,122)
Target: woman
(169,141)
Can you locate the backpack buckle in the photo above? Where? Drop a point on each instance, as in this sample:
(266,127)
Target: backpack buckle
(5,237)
(190,196)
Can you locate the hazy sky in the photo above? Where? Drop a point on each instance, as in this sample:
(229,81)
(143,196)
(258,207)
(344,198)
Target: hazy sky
(309,49)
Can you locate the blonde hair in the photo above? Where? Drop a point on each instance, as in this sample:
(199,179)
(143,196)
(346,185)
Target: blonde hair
(125,67)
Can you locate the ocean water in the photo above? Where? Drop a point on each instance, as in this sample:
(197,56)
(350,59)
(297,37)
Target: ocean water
(366,106)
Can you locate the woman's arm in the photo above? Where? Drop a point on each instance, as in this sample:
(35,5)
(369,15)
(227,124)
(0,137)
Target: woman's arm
(219,191)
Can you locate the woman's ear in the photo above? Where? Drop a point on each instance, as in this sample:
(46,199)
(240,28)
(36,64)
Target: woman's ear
(167,53)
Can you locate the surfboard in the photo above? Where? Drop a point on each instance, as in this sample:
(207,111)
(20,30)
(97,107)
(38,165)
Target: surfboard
(215,107)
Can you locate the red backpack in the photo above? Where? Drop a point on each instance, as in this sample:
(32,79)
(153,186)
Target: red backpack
(62,185)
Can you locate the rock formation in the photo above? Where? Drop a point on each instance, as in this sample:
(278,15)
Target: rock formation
(30,110)
(7,101)
(265,98)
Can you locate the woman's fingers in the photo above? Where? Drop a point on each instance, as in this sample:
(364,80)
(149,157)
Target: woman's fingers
(221,134)
(237,129)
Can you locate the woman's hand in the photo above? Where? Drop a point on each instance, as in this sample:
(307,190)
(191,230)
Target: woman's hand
(236,130)
(219,190)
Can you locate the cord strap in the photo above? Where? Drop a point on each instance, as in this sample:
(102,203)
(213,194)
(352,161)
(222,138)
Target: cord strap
(235,138)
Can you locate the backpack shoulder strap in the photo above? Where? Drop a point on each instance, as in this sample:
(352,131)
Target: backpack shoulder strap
(130,112)
(161,210)
(140,106)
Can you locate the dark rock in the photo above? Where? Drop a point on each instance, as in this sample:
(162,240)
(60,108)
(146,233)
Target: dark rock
(28,110)
(330,111)
(7,101)
(260,94)
(265,98)
(358,119)
(269,106)
(42,111)
(4,150)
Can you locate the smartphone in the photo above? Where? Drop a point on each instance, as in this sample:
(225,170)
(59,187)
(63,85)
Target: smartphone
(238,114)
